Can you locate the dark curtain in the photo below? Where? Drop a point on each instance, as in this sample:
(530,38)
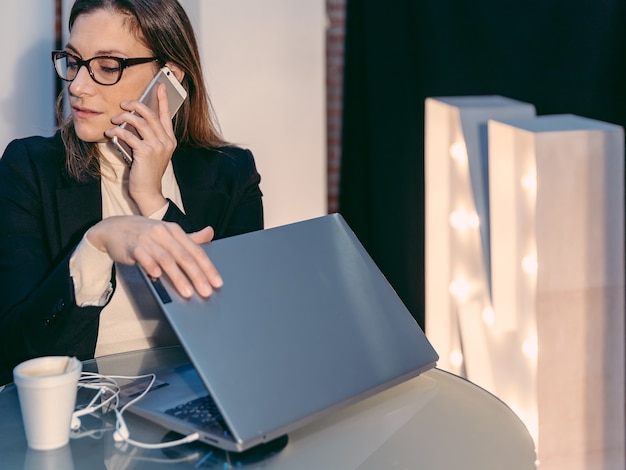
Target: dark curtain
(563,57)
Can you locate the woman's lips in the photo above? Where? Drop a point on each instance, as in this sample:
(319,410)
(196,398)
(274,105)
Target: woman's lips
(84,113)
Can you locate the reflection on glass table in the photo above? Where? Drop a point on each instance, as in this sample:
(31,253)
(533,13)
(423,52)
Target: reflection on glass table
(436,420)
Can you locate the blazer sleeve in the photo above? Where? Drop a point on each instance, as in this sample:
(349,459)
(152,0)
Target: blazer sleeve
(246,212)
(38,313)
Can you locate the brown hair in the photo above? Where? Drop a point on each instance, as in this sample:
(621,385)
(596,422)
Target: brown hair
(165,28)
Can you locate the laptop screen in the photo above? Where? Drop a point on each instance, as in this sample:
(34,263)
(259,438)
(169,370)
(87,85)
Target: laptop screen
(304,324)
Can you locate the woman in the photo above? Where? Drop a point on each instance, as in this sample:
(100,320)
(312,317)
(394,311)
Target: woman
(75,216)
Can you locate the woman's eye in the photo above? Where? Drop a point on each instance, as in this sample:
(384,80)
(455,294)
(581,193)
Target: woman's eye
(108,66)
(110,69)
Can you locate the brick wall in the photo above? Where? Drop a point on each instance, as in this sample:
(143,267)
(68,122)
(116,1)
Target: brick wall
(335,34)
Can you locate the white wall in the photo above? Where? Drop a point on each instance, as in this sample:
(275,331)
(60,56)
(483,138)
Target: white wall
(265,68)
(27,85)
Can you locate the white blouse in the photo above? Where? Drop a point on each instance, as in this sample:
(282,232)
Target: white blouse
(130,321)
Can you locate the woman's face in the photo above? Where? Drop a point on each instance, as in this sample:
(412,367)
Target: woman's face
(93,105)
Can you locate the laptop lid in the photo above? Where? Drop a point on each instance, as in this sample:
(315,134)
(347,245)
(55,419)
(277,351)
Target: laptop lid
(304,324)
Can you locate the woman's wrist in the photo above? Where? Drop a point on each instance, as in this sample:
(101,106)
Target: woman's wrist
(150,204)
(93,237)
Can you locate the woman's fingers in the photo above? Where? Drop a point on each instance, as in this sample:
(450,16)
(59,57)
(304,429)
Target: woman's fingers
(203,236)
(164,111)
(193,262)
(160,248)
(152,148)
(159,259)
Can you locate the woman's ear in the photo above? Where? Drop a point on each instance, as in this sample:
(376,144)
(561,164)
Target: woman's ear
(178,72)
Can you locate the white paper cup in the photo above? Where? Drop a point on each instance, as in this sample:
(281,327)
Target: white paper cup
(46,387)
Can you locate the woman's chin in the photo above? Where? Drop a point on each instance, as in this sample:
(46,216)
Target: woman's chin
(90,135)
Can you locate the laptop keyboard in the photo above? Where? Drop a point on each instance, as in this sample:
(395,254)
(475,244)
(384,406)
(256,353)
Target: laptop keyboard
(203,412)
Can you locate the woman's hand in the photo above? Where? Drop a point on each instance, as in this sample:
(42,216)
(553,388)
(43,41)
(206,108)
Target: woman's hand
(159,247)
(151,153)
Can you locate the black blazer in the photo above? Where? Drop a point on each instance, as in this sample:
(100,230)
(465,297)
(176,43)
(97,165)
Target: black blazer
(44,214)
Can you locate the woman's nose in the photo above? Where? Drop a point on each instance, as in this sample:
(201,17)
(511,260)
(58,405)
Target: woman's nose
(82,82)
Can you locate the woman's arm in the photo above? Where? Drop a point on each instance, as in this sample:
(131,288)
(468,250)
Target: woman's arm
(38,314)
(159,248)
(38,311)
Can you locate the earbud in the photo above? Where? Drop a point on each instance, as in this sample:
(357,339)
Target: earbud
(75,423)
(121,434)
(108,396)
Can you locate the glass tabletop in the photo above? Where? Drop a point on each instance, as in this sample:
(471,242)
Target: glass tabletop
(436,420)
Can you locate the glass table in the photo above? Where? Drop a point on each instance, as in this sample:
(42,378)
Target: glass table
(437,420)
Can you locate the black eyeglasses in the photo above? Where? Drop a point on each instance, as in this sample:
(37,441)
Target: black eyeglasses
(105,70)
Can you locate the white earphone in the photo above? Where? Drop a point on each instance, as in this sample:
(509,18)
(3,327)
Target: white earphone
(108,398)
(108,395)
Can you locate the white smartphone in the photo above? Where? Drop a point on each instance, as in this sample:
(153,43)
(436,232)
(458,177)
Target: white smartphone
(176,95)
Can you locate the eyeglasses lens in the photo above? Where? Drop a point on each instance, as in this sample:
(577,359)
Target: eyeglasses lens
(104,70)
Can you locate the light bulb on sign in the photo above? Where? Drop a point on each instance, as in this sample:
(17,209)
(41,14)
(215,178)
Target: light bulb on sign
(462,220)
(456,358)
(530,348)
(529,264)
(458,152)
(529,183)
(460,288)
(489,317)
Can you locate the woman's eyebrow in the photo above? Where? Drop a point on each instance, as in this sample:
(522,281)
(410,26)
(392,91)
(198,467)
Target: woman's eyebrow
(100,52)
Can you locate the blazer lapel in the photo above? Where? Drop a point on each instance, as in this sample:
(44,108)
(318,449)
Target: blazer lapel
(193,174)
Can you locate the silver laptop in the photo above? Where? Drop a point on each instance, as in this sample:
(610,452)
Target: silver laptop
(304,325)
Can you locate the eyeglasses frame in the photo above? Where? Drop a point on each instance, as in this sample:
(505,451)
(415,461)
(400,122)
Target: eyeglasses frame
(124,63)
